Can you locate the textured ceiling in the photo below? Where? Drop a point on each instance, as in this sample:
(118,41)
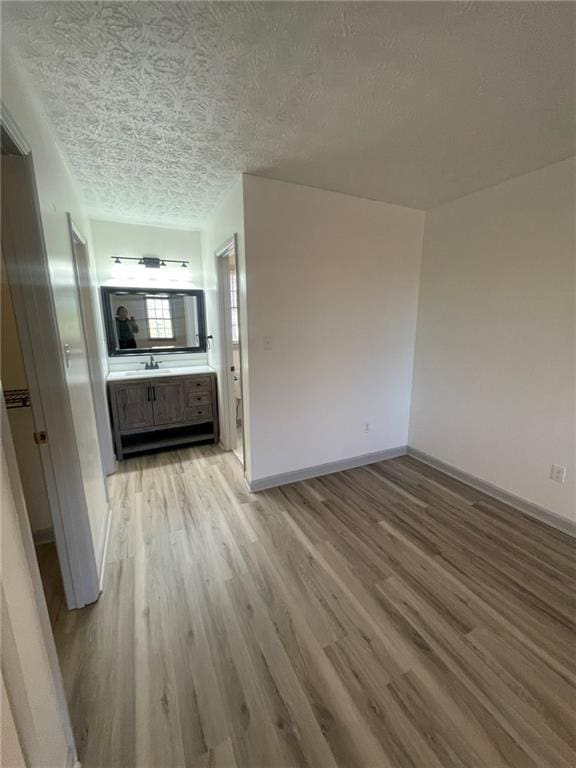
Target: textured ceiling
(157,106)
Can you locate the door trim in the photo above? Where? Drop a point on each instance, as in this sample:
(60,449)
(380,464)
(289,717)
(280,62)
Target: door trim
(13,132)
(228,417)
(91,324)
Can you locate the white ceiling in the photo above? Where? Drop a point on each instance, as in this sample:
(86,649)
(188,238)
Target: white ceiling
(157,106)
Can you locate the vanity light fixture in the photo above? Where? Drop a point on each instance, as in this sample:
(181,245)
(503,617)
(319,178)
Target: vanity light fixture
(150,262)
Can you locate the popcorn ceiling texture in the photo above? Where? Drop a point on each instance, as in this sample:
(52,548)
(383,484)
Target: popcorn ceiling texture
(158,106)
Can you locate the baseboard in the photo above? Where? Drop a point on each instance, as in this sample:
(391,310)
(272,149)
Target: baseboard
(72,759)
(273,481)
(43,536)
(539,513)
(105,549)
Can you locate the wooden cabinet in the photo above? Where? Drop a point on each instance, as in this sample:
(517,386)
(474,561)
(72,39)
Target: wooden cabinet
(134,406)
(167,402)
(163,411)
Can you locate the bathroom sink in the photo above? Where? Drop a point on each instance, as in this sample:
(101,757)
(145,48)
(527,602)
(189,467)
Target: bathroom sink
(152,372)
(142,373)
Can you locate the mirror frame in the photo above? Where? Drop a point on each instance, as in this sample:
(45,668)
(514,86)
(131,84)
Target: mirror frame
(107,290)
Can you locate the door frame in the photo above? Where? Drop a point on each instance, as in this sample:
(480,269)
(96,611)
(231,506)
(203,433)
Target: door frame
(228,420)
(91,323)
(43,353)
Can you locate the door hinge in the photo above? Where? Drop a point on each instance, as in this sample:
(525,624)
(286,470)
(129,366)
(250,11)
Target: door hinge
(232,368)
(40,438)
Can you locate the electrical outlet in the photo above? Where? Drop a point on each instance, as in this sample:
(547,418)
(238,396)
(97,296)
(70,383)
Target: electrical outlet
(557,473)
(366,427)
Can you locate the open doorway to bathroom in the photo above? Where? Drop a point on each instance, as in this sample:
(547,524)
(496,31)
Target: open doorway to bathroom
(231,351)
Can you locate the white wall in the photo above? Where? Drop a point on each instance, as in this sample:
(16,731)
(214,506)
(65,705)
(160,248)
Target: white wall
(332,282)
(57,196)
(11,754)
(494,375)
(226,221)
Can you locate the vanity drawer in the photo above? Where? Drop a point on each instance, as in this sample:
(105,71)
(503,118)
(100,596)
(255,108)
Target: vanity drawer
(198,398)
(199,384)
(198,412)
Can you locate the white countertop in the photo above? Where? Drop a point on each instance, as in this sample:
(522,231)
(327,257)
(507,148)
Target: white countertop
(142,373)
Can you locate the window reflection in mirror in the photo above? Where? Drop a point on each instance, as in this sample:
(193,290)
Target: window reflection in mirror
(154,321)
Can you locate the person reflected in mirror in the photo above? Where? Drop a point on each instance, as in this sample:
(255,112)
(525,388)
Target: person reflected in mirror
(126,329)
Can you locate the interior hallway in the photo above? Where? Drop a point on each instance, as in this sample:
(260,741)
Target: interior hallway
(384,616)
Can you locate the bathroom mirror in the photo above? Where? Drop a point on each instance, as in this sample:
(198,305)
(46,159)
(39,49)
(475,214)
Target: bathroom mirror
(149,321)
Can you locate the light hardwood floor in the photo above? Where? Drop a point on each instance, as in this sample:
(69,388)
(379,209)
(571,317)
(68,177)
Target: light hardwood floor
(51,579)
(387,616)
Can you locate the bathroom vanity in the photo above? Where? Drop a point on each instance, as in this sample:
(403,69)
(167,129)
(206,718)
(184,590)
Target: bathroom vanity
(162,408)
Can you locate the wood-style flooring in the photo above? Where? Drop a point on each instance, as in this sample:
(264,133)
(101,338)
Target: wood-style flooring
(51,579)
(387,616)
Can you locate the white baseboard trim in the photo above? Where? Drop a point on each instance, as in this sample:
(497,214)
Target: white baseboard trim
(43,536)
(285,478)
(104,550)
(539,513)
(72,758)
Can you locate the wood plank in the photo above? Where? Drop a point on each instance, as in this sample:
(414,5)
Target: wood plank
(382,616)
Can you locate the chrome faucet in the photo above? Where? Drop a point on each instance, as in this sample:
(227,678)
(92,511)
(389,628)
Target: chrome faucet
(152,365)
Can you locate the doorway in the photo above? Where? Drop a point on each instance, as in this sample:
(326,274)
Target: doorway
(230,348)
(28,442)
(45,359)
